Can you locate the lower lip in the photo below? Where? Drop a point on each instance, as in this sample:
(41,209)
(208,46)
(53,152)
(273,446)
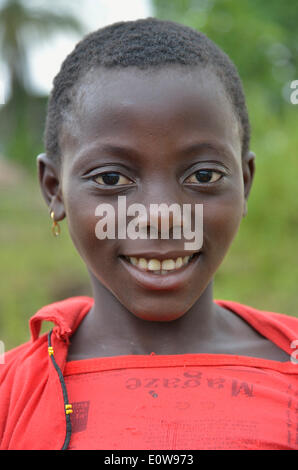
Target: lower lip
(174,280)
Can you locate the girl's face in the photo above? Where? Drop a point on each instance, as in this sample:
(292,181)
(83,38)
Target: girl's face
(168,136)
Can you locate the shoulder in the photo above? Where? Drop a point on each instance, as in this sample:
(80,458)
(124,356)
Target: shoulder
(65,315)
(266,317)
(280,328)
(22,357)
(19,373)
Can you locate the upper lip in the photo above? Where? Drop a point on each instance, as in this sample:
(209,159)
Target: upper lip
(160,255)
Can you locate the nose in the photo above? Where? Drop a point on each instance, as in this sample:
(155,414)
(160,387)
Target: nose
(161,220)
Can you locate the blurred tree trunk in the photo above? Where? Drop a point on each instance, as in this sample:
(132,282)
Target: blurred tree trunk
(21,118)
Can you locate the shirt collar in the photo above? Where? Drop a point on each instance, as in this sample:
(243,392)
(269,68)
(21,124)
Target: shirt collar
(66,314)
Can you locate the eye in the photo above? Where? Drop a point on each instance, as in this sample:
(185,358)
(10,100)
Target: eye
(111,179)
(204,176)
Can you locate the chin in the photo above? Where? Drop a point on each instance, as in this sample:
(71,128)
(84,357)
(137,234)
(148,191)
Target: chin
(158,316)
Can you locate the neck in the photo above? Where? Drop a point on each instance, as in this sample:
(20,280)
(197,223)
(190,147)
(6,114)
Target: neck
(110,329)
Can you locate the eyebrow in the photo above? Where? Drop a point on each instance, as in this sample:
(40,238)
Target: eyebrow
(219,149)
(88,155)
(120,150)
(127,152)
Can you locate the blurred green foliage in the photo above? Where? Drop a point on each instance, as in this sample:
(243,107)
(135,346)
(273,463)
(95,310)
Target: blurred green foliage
(261,267)
(23,114)
(261,38)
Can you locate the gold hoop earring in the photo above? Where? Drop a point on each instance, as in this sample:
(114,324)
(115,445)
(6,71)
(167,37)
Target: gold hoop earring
(55,226)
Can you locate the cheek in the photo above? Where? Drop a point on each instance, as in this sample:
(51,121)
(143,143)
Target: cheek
(221,221)
(98,254)
(81,221)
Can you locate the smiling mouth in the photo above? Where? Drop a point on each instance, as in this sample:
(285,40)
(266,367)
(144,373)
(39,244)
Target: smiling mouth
(160,266)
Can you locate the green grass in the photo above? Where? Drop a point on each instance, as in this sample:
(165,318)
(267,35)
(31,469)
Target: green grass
(261,268)
(36,268)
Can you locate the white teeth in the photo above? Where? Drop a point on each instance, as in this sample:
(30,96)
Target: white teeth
(168,264)
(142,263)
(159,267)
(153,265)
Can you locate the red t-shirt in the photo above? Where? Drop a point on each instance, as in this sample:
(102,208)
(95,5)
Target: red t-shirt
(191,401)
(188,401)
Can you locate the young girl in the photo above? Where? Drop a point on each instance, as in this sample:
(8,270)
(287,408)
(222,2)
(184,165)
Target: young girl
(152,111)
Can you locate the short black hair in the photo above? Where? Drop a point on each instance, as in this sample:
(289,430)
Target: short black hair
(144,43)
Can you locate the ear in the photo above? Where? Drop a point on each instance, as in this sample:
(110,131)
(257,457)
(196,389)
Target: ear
(50,184)
(248,169)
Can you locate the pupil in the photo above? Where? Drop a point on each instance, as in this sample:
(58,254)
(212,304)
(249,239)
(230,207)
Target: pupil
(204,176)
(110,178)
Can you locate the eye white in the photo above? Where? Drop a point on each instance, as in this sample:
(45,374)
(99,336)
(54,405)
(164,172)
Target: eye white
(102,179)
(193,179)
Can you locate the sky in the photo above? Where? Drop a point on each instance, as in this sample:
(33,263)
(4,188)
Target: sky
(46,57)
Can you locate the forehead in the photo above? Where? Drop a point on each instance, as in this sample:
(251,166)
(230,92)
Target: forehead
(130,103)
